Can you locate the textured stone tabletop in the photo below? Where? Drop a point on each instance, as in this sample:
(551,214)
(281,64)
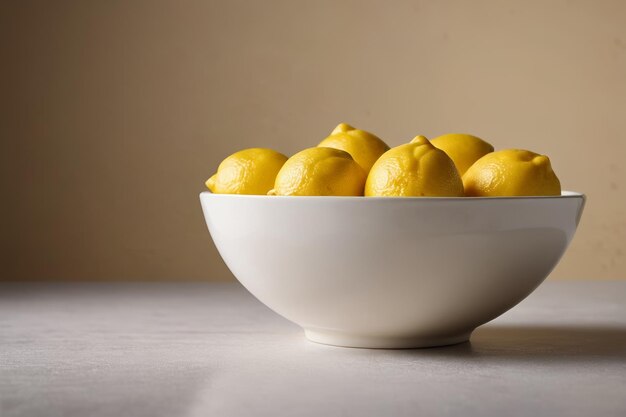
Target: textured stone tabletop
(193,349)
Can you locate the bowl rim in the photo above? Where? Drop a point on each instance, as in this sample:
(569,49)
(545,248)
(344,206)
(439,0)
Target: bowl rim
(564,195)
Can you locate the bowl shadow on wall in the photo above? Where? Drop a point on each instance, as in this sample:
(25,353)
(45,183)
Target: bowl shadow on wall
(533,343)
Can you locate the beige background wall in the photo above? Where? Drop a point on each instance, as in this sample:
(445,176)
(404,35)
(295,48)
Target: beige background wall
(115,112)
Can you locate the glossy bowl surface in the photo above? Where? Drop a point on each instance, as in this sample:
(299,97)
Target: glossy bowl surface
(391,272)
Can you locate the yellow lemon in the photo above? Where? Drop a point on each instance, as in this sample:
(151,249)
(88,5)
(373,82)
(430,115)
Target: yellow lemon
(412,170)
(363,146)
(463,149)
(511,172)
(251,171)
(320,171)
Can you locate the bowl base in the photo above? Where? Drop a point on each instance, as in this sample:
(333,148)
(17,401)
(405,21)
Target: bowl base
(333,338)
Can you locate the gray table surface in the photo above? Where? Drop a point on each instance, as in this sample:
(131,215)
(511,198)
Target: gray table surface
(193,349)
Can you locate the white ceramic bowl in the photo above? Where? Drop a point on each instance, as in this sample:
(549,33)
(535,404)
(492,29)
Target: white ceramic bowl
(391,272)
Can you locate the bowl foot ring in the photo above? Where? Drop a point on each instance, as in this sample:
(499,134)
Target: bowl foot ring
(334,338)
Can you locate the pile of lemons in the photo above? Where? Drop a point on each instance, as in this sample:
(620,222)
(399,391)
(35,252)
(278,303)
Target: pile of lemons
(353,162)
